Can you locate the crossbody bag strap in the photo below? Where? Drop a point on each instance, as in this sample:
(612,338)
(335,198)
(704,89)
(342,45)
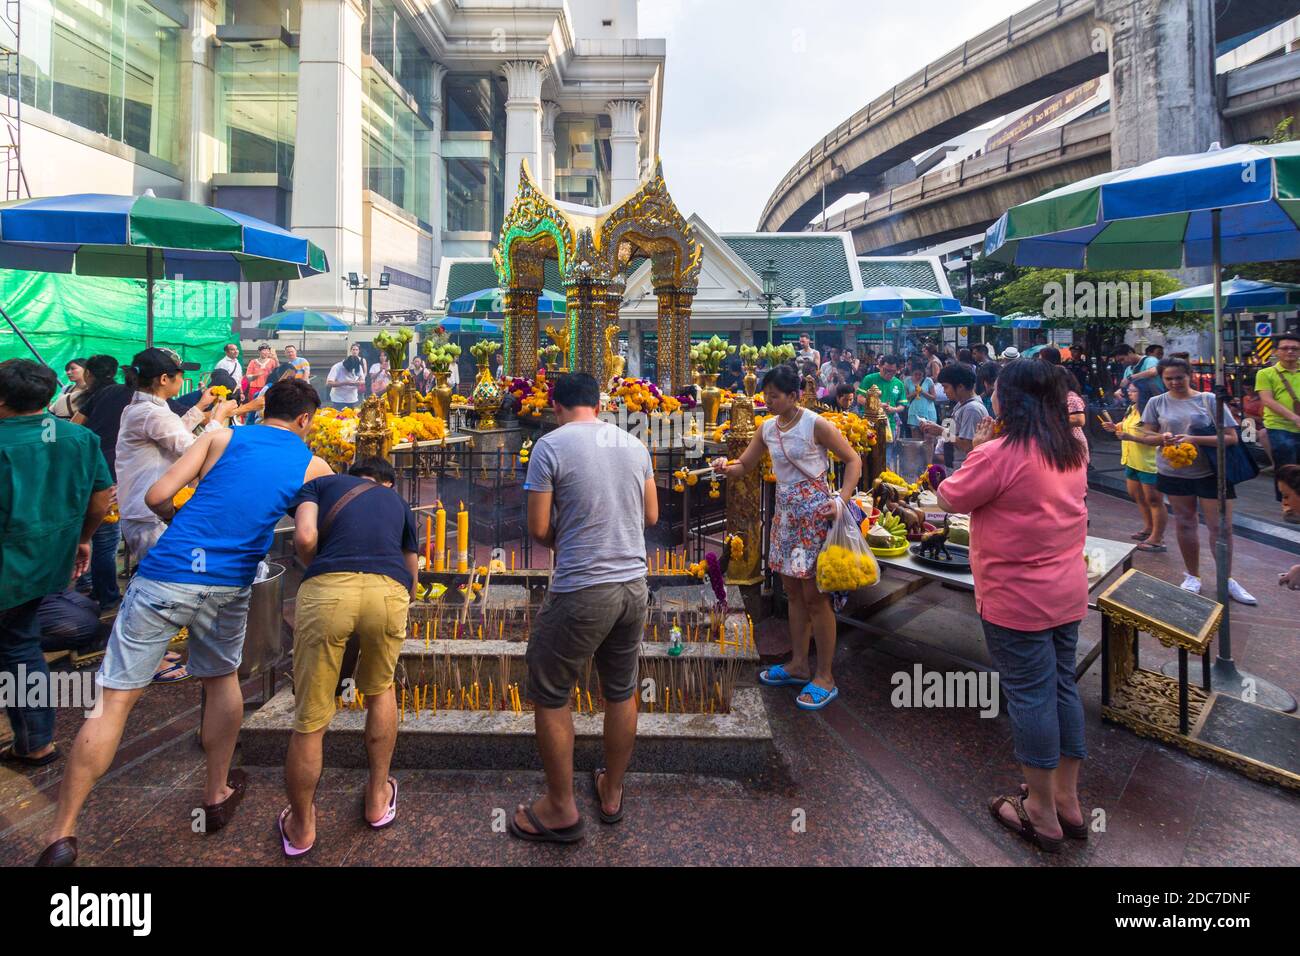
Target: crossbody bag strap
(348,496)
(1295,402)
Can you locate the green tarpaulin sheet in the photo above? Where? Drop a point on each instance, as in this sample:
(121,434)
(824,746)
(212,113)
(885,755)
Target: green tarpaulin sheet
(69,316)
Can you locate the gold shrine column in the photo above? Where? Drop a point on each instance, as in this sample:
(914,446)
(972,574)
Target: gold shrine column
(666,297)
(743,498)
(681,367)
(586,298)
(521,332)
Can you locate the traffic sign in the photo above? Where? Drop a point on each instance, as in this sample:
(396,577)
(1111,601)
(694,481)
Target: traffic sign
(1263,329)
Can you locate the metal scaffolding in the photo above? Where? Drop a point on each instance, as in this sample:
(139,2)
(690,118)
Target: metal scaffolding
(11,103)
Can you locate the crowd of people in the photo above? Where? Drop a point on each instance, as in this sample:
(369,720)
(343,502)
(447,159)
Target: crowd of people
(1018,457)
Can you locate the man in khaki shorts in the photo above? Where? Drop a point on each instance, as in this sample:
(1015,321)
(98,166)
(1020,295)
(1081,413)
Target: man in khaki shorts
(591,494)
(359,541)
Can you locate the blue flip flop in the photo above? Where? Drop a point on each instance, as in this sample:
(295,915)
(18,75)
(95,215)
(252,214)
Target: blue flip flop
(776,676)
(820,696)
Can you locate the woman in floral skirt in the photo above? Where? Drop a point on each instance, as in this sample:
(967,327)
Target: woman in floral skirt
(798,440)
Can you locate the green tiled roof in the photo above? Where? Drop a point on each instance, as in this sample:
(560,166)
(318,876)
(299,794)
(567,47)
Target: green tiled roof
(815,264)
(908,272)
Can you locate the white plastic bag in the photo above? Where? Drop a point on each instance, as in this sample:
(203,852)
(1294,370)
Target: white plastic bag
(845,562)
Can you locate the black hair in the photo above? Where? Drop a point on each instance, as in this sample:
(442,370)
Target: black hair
(220,376)
(1152,349)
(352,363)
(891,359)
(1050,354)
(842,390)
(965,356)
(1033,410)
(982,346)
(27,386)
(957,375)
(784,379)
(103,372)
(289,398)
(1175,363)
(74,361)
(380,469)
(987,374)
(576,389)
(1287,337)
(1289,475)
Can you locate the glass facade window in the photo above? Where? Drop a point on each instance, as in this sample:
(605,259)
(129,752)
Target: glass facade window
(391,41)
(108,66)
(257,108)
(397,147)
(473,153)
(582,160)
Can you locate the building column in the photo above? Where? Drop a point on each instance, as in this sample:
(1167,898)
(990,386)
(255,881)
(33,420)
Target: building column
(327,190)
(196,111)
(625,147)
(437,180)
(523,121)
(1163,86)
(550,113)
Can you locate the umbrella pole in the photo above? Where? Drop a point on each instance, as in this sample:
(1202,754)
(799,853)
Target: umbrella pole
(148,282)
(1224,663)
(19,332)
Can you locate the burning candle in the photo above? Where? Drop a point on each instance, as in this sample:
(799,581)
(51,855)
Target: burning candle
(440,537)
(462,540)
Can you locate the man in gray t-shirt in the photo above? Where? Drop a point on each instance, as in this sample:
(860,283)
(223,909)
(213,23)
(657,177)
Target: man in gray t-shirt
(591,494)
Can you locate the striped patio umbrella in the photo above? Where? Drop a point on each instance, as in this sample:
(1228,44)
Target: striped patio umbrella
(460,325)
(882,302)
(490,304)
(967,316)
(303,321)
(144,237)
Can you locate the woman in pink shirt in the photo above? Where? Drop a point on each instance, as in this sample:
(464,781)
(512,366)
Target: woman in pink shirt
(1024,491)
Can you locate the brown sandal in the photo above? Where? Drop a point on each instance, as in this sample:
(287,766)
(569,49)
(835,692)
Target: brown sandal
(1026,828)
(1075,831)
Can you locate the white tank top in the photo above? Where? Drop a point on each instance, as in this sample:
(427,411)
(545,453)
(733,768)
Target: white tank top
(795,450)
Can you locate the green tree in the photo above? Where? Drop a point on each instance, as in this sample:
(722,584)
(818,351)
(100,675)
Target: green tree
(1042,291)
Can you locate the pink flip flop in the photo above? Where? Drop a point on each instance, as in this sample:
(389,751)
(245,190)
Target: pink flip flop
(291,851)
(390,814)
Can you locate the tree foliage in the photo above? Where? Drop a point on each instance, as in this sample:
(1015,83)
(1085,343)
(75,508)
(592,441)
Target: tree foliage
(1091,294)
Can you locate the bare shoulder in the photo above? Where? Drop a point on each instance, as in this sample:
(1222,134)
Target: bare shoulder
(317,468)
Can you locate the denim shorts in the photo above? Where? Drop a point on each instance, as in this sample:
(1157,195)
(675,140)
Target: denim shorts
(1036,673)
(151,614)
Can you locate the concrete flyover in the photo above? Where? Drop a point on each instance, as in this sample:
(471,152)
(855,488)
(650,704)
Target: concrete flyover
(964,198)
(1044,49)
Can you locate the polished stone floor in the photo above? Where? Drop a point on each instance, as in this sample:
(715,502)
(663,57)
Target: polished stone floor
(861,782)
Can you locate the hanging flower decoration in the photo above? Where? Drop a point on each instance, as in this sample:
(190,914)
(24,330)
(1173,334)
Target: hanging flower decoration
(715,578)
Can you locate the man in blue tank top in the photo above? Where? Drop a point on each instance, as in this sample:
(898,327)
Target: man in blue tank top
(199,576)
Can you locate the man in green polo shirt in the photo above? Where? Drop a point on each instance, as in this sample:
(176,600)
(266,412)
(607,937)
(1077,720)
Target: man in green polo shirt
(56,492)
(1278,385)
(893,394)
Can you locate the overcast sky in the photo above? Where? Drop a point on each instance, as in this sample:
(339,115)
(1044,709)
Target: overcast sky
(751,85)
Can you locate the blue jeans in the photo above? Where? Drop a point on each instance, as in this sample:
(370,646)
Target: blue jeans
(1285,447)
(103,564)
(1037,675)
(20,646)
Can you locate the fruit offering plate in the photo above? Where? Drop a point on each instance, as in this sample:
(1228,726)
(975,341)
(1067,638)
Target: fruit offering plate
(895,552)
(959,561)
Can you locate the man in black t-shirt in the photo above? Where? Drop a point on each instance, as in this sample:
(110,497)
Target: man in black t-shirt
(359,541)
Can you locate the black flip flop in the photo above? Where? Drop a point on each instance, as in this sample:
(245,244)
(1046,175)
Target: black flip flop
(544,834)
(600,804)
(10,755)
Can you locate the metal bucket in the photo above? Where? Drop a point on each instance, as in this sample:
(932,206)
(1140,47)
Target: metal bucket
(263,641)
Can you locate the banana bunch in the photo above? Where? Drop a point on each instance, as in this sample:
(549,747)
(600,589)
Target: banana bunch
(894,525)
(840,569)
(1180,455)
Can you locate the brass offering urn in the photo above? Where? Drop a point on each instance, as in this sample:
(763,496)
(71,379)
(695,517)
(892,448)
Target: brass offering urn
(440,357)
(374,440)
(487,394)
(708,358)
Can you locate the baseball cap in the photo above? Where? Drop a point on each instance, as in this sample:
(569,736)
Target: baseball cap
(151,363)
(1010,352)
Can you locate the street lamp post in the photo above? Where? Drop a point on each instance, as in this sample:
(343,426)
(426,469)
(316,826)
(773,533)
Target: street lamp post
(769,275)
(361,283)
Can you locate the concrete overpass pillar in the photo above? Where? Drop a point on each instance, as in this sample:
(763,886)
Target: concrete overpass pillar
(1163,91)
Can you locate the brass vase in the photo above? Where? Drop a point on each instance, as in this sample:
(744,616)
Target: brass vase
(751,381)
(710,397)
(440,396)
(486,397)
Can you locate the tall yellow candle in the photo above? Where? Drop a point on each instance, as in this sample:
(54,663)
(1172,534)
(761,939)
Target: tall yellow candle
(440,538)
(428,544)
(462,540)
